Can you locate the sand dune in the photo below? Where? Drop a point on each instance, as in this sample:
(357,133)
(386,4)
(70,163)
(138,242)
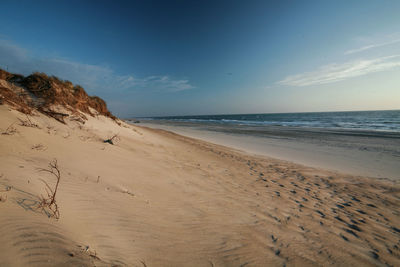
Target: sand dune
(160,199)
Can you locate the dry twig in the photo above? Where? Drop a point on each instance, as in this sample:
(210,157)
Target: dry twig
(10,130)
(48,204)
(111,140)
(39,147)
(28,123)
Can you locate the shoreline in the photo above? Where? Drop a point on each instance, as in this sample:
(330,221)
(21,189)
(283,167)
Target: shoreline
(362,153)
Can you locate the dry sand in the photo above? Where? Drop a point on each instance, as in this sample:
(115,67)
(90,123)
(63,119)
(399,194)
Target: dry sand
(160,199)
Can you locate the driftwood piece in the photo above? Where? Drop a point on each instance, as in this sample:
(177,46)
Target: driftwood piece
(56,115)
(112,139)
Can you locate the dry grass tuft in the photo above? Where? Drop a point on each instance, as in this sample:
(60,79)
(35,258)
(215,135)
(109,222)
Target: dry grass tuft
(41,92)
(18,101)
(48,204)
(10,130)
(28,123)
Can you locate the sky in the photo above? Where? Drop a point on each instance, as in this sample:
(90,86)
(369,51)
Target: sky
(160,58)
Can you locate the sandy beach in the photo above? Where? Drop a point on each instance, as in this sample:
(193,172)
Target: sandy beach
(199,133)
(374,154)
(156,198)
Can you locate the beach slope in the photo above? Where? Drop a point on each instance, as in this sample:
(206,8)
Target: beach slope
(154,198)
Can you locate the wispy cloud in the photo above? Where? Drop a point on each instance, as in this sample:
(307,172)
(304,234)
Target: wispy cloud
(93,77)
(371,46)
(339,72)
(166,83)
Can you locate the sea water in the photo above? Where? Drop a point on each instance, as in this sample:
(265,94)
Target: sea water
(388,120)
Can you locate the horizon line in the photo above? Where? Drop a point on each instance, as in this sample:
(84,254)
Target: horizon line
(263,113)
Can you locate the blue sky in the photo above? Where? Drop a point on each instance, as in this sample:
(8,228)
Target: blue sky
(148,58)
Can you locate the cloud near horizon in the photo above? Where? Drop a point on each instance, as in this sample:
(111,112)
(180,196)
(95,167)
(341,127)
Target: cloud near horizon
(92,77)
(339,72)
(367,47)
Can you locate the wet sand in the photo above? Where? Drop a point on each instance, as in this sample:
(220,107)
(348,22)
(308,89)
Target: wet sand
(366,153)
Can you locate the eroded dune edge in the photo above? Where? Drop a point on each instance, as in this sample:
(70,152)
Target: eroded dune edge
(154,198)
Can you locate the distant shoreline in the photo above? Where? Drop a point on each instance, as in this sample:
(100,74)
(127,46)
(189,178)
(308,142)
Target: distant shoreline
(266,113)
(358,152)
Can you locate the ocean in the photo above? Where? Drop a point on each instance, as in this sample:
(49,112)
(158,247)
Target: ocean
(388,120)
